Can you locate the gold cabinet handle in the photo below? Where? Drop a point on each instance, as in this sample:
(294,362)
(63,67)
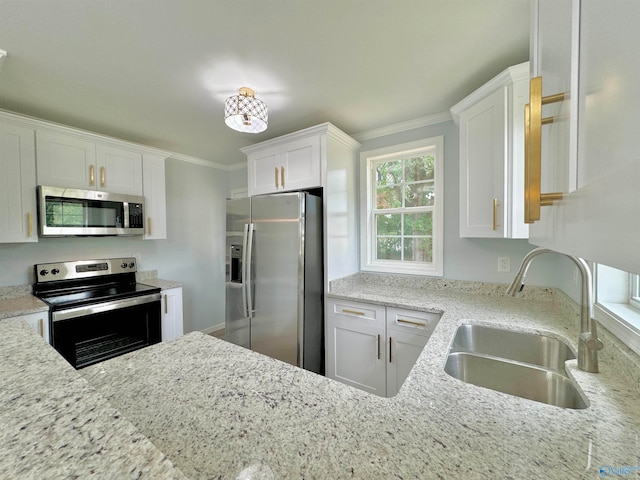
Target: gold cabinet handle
(29,224)
(148,225)
(378,346)
(390,343)
(282,175)
(495,214)
(533,121)
(352,312)
(411,322)
(102,176)
(41,327)
(92,175)
(166,304)
(276,177)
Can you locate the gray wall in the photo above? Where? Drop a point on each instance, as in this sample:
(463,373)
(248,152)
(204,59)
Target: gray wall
(471,258)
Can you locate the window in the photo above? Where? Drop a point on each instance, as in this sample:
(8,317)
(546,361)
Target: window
(617,305)
(401,208)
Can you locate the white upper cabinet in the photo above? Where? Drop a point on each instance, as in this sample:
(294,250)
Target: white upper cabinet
(492,156)
(155,204)
(291,164)
(588,50)
(17,184)
(67,160)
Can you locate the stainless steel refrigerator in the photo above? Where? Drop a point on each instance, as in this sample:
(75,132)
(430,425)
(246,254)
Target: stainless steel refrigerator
(274,281)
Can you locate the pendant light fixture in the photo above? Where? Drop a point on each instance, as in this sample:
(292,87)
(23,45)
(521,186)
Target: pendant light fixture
(245,113)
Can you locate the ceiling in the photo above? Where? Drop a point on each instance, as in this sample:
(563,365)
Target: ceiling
(157,72)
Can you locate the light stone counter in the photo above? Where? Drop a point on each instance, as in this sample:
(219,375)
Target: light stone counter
(220,411)
(54,425)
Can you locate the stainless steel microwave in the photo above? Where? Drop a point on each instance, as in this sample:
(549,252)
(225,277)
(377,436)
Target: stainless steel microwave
(74,212)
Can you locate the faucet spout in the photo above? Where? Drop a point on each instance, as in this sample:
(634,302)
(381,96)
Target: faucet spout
(588,342)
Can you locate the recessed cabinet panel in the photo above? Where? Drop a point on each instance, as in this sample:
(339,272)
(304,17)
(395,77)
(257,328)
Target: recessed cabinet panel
(264,171)
(404,350)
(119,171)
(172,326)
(154,190)
(17,185)
(65,161)
(492,156)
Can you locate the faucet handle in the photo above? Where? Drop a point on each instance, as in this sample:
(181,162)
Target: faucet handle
(591,342)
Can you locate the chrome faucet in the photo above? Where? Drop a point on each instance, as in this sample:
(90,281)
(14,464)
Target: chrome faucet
(588,342)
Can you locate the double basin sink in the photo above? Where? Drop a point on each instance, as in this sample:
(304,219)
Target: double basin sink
(527,365)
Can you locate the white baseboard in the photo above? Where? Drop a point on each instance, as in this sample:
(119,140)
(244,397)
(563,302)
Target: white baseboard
(213,328)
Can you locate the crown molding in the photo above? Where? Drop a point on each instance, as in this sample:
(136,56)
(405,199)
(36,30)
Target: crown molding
(403,126)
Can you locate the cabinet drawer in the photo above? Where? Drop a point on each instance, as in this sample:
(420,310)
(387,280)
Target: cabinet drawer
(357,311)
(412,321)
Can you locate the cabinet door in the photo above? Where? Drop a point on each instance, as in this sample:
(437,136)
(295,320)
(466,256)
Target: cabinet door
(403,349)
(118,170)
(65,161)
(17,184)
(554,58)
(172,321)
(483,142)
(300,160)
(154,190)
(356,345)
(39,322)
(263,171)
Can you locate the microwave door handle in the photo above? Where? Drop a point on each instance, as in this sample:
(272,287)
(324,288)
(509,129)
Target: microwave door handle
(249,277)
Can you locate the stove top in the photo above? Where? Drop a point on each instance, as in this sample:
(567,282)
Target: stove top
(83,282)
(67,299)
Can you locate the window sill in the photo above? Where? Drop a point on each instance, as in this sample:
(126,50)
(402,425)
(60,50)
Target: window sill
(428,270)
(622,320)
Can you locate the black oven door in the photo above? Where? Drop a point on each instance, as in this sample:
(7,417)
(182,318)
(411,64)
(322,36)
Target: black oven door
(92,333)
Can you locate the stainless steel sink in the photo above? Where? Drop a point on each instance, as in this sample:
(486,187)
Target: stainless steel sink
(524,347)
(522,364)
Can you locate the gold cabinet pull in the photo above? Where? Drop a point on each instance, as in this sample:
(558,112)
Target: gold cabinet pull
(29,224)
(166,304)
(41,327)
(533,121)
(102,176)
(148,225)
(352,312)
(390,343)
(92,175)
(411,322)
(276,177)
(378,346)
(495,214)
(282,175)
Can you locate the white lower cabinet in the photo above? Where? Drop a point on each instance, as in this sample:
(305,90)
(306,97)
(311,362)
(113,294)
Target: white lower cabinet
(39,321)
(373,347)
(172,322)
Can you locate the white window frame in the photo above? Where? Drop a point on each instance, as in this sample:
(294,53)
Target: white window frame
(617,306)
(368,262)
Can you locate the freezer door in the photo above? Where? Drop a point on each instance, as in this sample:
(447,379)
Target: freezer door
(277,271)
(237,324)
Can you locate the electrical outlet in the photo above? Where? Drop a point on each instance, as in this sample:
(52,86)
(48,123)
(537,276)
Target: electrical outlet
(504,264)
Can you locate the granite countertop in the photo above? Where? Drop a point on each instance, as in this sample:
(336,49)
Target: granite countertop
(206,408)
(220,411)
(54,425)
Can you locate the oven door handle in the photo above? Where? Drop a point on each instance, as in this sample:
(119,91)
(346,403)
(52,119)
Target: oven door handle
(85,310)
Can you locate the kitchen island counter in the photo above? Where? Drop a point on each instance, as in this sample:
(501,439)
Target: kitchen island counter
(220,411)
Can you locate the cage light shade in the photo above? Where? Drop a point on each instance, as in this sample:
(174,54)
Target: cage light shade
(245,113)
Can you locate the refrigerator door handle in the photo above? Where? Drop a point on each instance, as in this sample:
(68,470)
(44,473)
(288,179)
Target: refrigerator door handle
(248,278)
(243,280)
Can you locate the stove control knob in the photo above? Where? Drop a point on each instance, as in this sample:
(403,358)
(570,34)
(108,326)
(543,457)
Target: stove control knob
(123,264)
(131,265)
(44,272)
(55,271)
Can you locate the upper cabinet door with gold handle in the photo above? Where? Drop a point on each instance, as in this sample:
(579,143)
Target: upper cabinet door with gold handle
(120,170)
(491,156)
(17,195)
